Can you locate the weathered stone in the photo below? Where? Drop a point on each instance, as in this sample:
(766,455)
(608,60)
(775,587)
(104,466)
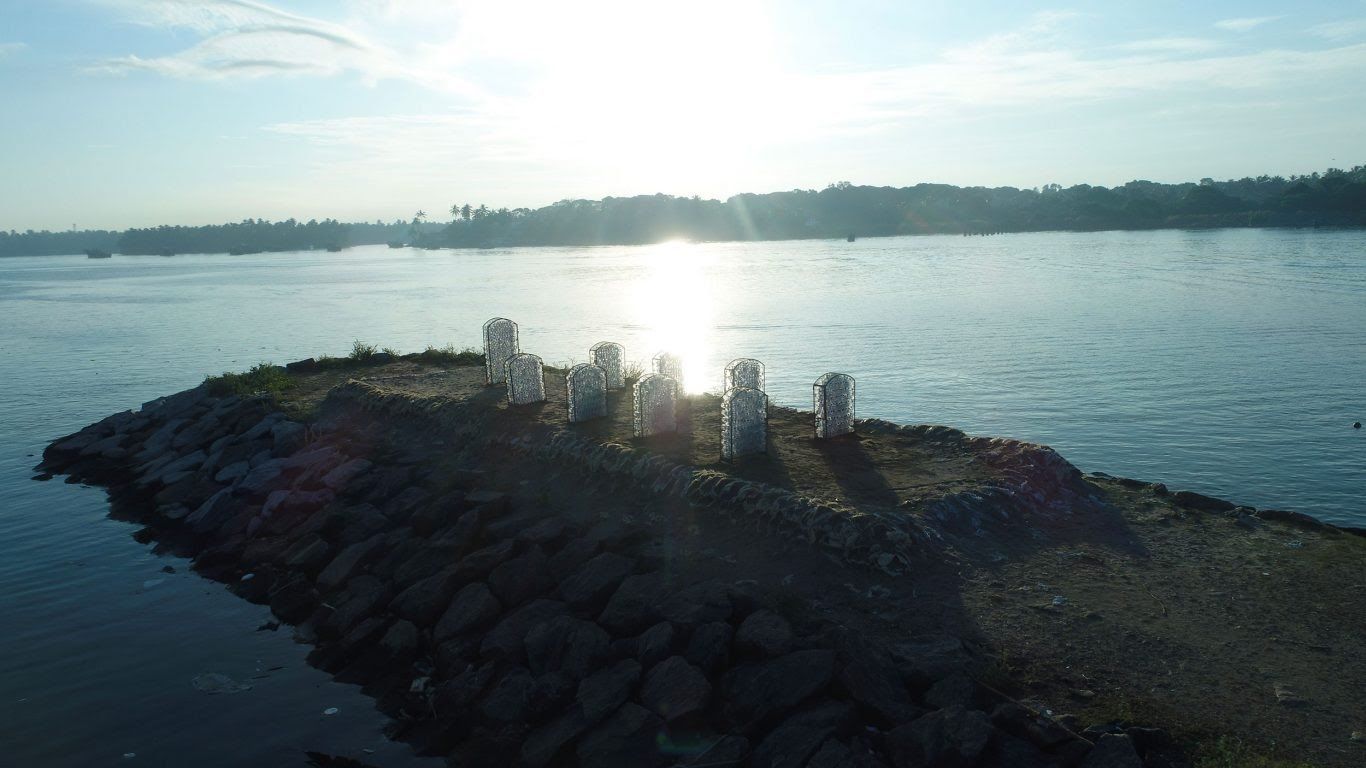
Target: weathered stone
(343,475)
(294,602)
(364,595)
(655,644)
(309,554)
(1193,500)
(957,688)
(701,603)
(763,691)
(628,737)
(510,699)
(567,644)
(763,633)
(796,739)
(262,478)
(521,578)
(545,533)
(723,752)
(591,585)
(570,557)
(288,437)
(349,562)
(545,743)
(481,562)
(634,606)
(399,644)
(946,738)
(833,754)
(675,689)
(232,472)
(463,689)
(1113,750)
(474,607)
(213,512)
(431,518)
(875,686)
(606,689)
(507,638)
(360,522)
(423,602)
(402,506)
(709,647)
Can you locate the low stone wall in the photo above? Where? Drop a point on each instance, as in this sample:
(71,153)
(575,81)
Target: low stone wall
(500,632)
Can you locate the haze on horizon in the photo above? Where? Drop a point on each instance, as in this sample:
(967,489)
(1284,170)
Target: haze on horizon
(127,113)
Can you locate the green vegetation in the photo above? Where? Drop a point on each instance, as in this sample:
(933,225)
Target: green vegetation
(1228,752)
(448,355)
(1335,197)
(262,377)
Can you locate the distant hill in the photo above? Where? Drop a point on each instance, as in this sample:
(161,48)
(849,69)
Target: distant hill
(1332,198)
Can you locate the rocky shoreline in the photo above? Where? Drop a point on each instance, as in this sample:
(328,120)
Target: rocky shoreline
(515,593)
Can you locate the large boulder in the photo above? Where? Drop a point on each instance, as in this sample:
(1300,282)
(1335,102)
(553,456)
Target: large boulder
(946,738)
(473,608)
(1113,750)
(593,583)
(573,646)
(797,738)
(634,606)
(761,692)
(629,737)
(675,689)
(709,647)
(507,640)
(521,578)
(763,633)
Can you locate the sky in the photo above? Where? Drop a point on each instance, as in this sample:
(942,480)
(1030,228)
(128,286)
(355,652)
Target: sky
(123,113)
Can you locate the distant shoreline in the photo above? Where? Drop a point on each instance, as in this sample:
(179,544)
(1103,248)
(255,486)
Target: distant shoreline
(1323,228)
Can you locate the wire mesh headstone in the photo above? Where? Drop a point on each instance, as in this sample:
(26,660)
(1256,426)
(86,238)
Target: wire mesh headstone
(526,379)
(832,398)
(668,364)
(656,400)
(744,422)
(587,385)
(500,343)
(744,372)
(607,356)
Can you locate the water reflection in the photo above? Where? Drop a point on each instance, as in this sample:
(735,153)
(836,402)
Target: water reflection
(673,305)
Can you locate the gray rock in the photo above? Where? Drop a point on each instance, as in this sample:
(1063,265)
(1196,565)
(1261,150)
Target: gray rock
(507,639)
(573,646)
(362,598)
(215,511)
(957,688)
(423,602)
(763,633)
(790,744)
(701,603)
(763,691)
(349,562)
(605,690)
(264,426)
(634,606)
(628,737)
(187,463)
(875,685)
(262,478)
(709,647)
(655,644)
(473,608)
(946,738)
(399,644)
(834,754)
(675,688)
(591,585)
(481,562)
(570,557)
(521,578)
(309,554)
(233,472)
(724,752)
(288,438)
(545,743)
(510,699)
(1113,750)
(342,476)
(463,689)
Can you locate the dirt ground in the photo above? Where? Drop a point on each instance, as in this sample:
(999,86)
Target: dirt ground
(1146,612)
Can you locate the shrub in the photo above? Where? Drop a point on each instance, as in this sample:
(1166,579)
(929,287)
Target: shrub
(262,377)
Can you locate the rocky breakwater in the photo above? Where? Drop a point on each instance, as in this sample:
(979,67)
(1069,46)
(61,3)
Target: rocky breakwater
(505,613)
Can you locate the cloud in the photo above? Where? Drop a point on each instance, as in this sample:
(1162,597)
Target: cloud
(1172,44)
(1339,30)
(9,49)
(243,38)
(1245,24)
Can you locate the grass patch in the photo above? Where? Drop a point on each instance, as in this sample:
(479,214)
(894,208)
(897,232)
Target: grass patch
(1230,752)
(450,356)
(262,377)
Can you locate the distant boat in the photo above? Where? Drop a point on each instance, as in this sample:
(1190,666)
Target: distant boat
(397,244)
(333,248)
(96,253)
(850,238)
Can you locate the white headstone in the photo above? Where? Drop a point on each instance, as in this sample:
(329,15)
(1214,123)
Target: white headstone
(500,343)
(587,385)
(608,355)
(525,379)
(656,401)
(744,372)
(668,364)
(744,422)
(832,398)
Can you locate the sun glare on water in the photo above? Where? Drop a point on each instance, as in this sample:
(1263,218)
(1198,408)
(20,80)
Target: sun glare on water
(673,305)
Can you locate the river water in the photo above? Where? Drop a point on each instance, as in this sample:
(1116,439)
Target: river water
(1232,362)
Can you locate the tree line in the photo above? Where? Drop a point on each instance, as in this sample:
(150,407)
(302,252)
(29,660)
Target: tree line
(1335,197)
